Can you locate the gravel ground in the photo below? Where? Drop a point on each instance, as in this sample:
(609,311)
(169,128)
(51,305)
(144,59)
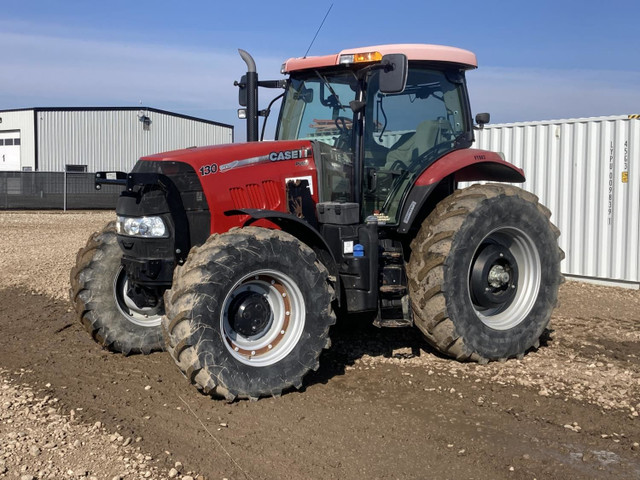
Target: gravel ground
(584,378)
(38,439)
(39,248)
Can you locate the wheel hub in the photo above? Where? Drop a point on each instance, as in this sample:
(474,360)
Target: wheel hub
(249,314)
(262,317)
(499,276)
(138,305)
(494,277)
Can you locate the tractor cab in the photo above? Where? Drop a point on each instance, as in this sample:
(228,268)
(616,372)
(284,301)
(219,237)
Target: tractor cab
(379,116)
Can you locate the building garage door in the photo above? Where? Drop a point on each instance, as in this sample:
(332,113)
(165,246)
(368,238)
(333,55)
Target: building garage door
(9,150)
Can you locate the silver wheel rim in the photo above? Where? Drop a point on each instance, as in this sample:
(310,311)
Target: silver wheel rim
(144,317)
(524,252)
(280,328)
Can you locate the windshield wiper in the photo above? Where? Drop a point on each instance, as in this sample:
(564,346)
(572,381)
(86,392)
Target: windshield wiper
(333,92)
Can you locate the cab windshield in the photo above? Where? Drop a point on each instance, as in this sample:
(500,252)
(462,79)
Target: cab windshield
(316,107)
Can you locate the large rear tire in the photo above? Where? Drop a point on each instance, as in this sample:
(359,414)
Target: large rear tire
(484,273)
(249,314)
(99,294)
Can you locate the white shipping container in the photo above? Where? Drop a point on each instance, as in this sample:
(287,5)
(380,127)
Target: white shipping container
(586,171)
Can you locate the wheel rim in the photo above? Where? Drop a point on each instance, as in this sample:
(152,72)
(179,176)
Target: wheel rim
(144,317)
(262,318)
(504,278)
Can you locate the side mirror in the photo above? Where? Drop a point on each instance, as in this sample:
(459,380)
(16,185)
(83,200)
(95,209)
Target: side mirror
(242,93)
(482,119)
(393,77)
(305,94)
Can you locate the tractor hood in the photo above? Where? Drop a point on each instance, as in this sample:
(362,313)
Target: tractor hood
(239,176)
(224,155)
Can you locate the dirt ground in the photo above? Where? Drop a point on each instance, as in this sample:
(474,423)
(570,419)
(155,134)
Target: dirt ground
(383,404)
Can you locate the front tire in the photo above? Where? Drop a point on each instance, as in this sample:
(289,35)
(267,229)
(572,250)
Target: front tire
(249,314)
(98,292)
(484,273)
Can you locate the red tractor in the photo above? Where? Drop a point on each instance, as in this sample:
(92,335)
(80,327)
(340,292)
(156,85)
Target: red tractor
(235,258)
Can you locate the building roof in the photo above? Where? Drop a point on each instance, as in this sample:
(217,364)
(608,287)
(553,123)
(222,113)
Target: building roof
(416,52)
(102,109)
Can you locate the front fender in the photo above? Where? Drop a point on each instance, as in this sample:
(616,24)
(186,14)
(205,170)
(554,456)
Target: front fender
(298,228)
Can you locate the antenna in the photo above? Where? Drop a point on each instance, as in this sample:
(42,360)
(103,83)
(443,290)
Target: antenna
(318,31)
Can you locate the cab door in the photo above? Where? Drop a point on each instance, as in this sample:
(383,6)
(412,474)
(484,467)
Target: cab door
(406,132)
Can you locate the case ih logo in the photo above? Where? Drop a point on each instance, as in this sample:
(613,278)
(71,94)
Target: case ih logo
(271,157)
(289,155)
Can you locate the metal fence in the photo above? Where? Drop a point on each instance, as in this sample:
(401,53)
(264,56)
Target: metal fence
(55,190)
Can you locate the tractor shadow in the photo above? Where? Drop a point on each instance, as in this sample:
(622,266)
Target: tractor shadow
(354,338)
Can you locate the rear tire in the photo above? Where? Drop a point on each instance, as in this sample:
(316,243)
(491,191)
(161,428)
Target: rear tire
(248,314)
(484,273)
(98,293)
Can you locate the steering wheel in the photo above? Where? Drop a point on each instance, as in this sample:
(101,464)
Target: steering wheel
(411,171)
(343,141)
(341,124)
(398,165)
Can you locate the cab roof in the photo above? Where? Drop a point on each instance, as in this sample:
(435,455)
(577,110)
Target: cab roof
(413,51)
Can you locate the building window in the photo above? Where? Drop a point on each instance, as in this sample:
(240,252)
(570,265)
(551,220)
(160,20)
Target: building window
(8,141)
(76,168)
(16,141)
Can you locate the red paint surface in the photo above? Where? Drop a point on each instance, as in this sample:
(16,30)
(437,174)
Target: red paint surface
(467,165)
(258,185)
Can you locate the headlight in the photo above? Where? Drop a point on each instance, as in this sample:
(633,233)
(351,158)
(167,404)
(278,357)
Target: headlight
(146,227)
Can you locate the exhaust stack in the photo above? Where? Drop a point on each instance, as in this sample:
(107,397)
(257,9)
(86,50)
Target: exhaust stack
(251,86)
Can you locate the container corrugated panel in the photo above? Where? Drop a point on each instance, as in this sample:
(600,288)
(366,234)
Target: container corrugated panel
(115,139)
(21,120)
(587,172)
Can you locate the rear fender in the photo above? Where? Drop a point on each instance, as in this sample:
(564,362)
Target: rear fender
(466,165)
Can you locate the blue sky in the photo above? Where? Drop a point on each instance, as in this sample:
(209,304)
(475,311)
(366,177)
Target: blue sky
(537,59)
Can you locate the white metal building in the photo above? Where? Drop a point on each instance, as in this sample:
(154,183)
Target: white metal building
(97,139)
(587,171)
